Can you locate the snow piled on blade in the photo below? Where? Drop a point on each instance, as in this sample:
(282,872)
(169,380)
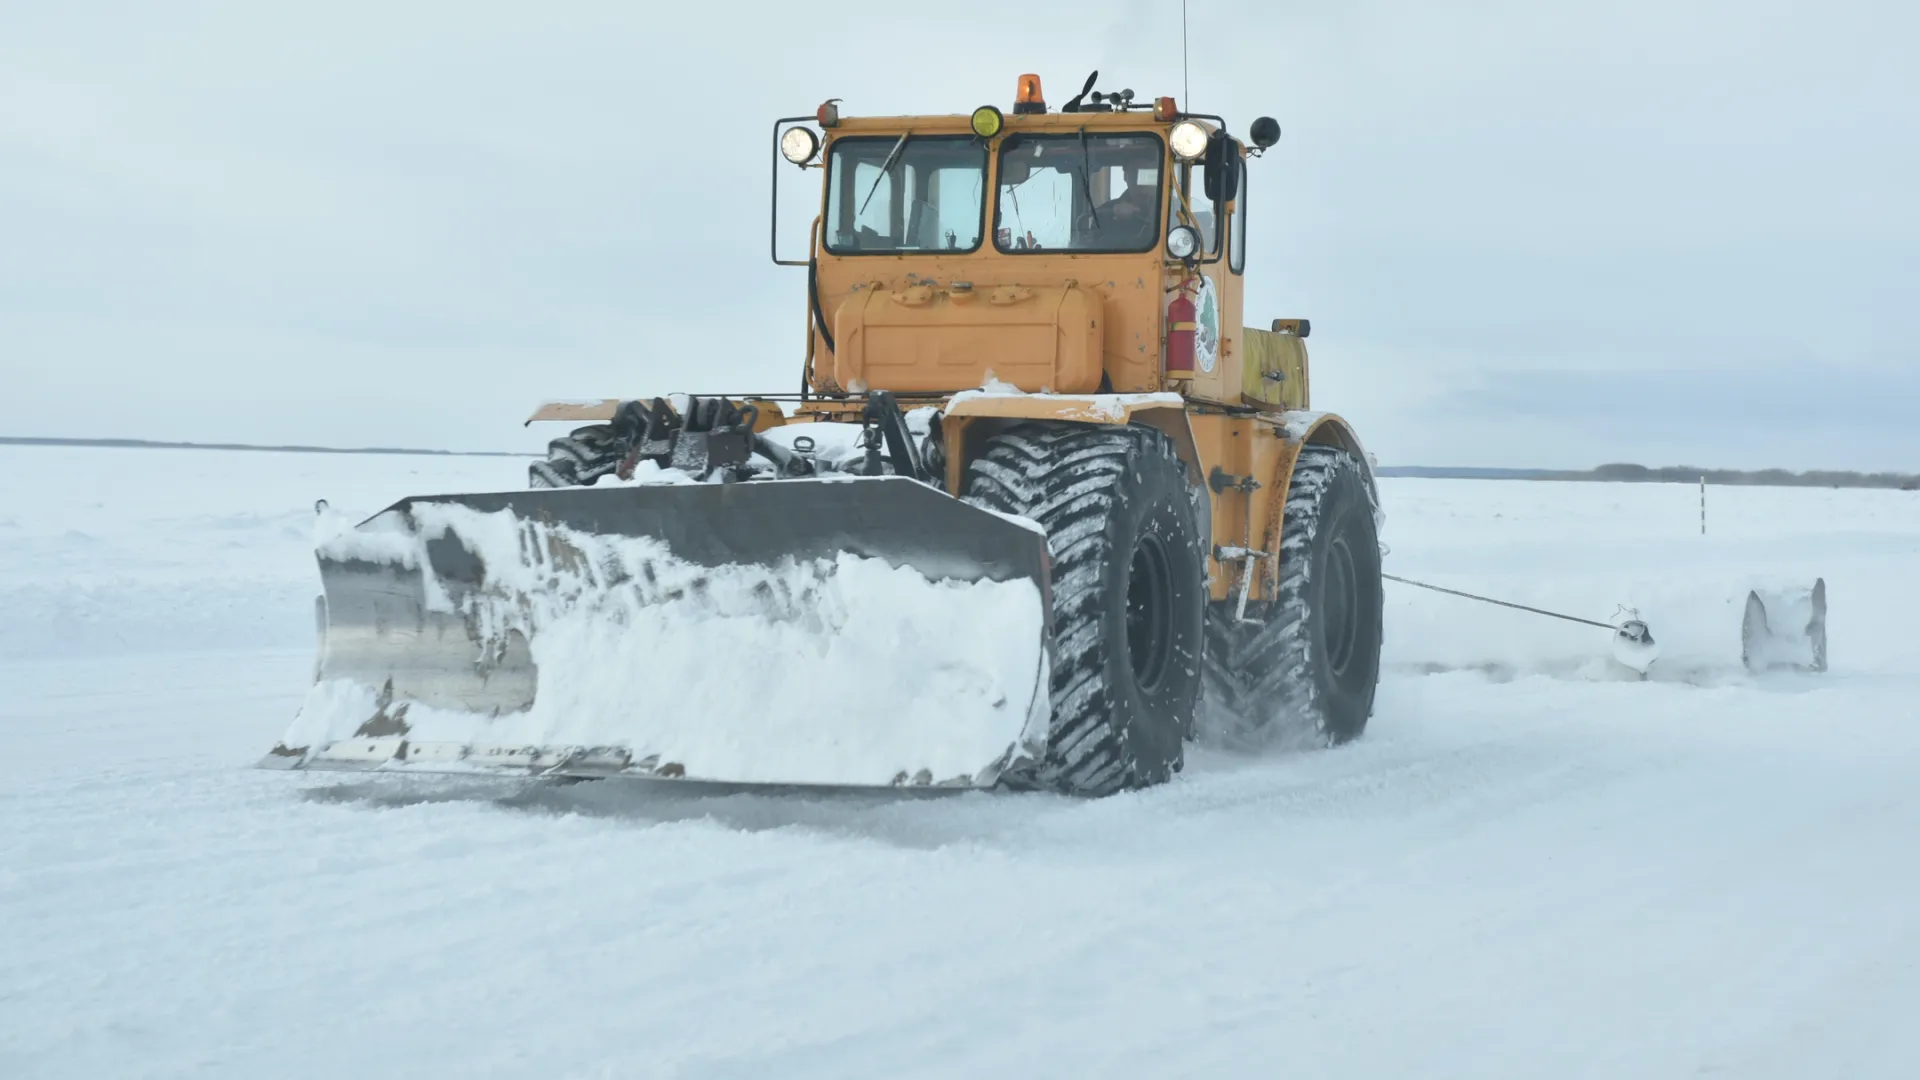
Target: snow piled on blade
(384,539)
(841,671)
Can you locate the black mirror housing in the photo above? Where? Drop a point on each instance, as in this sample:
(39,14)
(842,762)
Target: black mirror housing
(1222,161)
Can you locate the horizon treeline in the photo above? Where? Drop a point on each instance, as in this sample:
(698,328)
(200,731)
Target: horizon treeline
(1688,474)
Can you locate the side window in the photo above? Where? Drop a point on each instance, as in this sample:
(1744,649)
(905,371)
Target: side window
(1192,182)
(1237,240)
(1203,213)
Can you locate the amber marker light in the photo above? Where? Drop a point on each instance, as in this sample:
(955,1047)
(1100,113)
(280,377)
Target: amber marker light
(1164,109)
(987,121)
(1028,98)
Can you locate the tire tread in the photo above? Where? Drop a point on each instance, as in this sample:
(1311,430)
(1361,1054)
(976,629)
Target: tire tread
(1258,679)
(1071,478)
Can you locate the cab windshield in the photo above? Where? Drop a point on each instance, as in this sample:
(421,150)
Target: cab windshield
(1079,192)
(894,193)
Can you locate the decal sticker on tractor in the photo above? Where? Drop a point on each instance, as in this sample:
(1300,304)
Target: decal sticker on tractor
(1206,335)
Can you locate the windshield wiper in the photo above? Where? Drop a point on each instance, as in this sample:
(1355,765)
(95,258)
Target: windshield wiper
(885,168)
(1086,177)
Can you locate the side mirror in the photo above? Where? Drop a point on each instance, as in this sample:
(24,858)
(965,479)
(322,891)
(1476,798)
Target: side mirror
(1222,163)
(1265,132)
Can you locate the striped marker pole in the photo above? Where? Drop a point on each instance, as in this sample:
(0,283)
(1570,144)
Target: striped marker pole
(1703,505)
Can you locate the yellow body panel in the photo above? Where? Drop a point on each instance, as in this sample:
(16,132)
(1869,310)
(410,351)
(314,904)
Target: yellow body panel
(924,338)
(1118,297)
(769,413)
(1262,448)
(592,412)
(1275,372)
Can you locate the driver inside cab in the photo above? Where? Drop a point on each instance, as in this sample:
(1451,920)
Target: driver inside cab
(1129,220)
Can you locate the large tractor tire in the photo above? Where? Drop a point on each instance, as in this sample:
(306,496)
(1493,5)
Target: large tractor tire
(586,455)
(1129,596)
(1302,670)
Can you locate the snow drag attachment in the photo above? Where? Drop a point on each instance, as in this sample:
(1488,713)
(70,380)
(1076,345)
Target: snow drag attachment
(844,632)
(1785,629)
(1633,644)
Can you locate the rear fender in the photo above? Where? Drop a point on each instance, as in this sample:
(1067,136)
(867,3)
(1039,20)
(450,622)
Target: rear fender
(1327,429)
(1298,429)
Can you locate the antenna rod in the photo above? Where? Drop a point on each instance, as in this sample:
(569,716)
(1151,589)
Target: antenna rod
(1186,94)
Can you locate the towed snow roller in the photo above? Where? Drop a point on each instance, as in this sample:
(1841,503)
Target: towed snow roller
(1785,629)
(857,632)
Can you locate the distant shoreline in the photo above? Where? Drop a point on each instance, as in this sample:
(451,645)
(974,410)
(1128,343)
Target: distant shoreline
(155,444)
(1672,474)
(1618,474)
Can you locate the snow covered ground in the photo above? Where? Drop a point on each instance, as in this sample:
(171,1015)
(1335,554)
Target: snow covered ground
(1529,867)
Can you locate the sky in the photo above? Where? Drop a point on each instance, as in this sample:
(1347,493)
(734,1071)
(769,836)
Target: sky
(1527,234)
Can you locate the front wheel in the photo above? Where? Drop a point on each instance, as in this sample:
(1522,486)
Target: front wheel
(1129,593)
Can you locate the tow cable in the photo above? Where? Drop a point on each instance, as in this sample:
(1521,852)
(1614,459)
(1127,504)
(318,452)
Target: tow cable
(1633,643)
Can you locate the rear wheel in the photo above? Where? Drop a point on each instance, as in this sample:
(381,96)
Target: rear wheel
(1129,591)
(578,459)
(1303,670)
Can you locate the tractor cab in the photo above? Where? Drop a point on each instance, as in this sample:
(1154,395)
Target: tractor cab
(1097,248)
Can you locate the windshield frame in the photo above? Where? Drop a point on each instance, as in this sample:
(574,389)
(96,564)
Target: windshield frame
(831,158)
(1165,179)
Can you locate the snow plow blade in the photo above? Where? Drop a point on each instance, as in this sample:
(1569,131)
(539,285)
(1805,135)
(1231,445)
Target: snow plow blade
(869,632)
(1785,629)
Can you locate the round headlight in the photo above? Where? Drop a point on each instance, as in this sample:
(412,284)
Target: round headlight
(799,145)
(987,121)
(1188,139)
(1182,241)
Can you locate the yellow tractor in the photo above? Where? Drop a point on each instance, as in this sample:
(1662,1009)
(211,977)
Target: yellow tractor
(1042,512)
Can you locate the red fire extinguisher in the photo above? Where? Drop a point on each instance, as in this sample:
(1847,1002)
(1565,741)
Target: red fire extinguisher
(1180,328)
